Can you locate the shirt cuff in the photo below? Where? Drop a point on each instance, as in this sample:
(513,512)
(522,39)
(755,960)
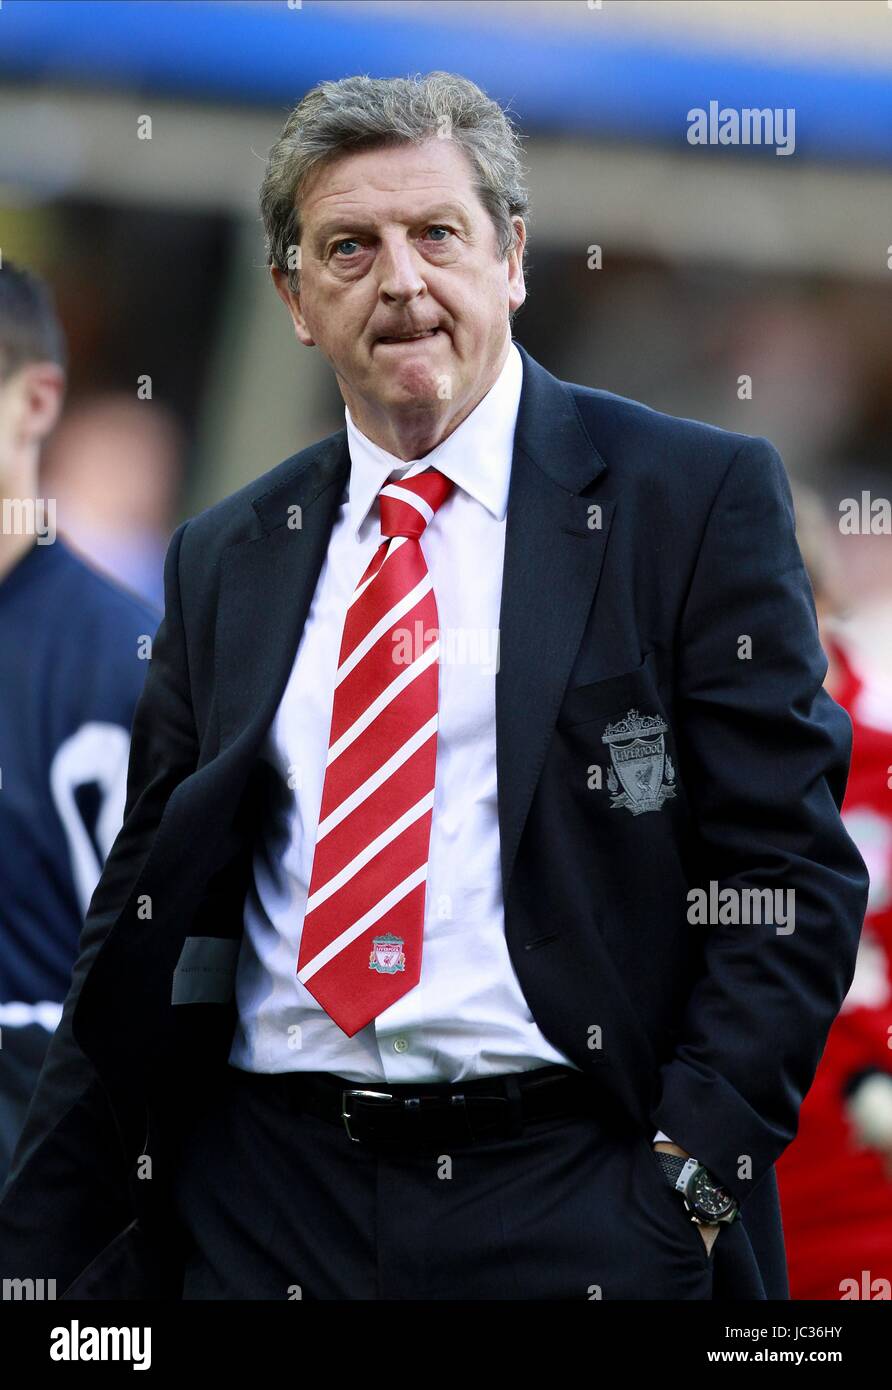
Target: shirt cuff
(660,1137)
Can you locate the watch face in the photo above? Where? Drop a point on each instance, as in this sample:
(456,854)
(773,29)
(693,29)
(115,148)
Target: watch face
(710,1202)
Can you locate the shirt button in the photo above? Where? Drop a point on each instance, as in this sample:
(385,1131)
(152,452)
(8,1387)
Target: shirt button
(400,1045)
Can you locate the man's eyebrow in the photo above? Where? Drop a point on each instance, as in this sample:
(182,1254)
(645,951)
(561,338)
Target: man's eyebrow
(436,213)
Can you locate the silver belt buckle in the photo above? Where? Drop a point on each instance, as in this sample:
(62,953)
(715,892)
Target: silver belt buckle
(345,1112)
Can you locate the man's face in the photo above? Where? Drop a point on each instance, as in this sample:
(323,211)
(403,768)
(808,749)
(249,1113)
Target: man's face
(9,413)
(395,241)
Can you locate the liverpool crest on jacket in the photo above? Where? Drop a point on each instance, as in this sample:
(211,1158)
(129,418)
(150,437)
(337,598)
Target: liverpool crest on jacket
(638,753)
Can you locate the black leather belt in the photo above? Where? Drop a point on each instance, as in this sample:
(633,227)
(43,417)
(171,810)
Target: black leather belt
(409,1116)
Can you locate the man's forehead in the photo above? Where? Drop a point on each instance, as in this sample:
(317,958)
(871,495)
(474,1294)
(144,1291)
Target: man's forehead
(375,179)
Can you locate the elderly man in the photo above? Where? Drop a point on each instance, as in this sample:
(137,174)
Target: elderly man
(430,965)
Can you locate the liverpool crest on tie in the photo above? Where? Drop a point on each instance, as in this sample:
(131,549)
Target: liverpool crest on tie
(639,757)
(387,955)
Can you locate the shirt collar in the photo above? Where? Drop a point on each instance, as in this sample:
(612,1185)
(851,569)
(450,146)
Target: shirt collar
(476,456)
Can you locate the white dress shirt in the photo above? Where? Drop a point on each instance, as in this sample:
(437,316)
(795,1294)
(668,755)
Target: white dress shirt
(467,1017)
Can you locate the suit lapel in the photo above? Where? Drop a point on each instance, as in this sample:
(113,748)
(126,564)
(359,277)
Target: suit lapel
(266,588)
(553,561)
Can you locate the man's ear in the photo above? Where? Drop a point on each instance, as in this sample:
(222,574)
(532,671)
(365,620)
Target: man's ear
(517,291)
(292,304)
(42,395)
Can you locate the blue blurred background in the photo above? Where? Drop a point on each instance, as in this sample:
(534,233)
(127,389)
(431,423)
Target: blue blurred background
(717,263)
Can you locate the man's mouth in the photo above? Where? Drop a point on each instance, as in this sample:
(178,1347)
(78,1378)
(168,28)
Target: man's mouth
(411,337)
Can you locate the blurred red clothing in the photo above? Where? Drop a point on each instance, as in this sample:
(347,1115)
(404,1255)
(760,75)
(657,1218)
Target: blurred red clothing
(836,1195)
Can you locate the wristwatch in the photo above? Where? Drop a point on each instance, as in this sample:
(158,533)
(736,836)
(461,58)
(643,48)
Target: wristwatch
(708,1202)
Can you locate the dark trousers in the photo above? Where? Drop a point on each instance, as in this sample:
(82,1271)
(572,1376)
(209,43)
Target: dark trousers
(276,1203)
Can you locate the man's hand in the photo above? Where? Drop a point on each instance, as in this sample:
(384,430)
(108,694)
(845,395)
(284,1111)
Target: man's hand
(708,1233)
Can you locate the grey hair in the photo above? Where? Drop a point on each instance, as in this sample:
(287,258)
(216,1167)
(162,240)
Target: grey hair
(361,113)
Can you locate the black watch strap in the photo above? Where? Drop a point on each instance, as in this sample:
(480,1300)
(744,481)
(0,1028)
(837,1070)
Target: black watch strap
(671,1164)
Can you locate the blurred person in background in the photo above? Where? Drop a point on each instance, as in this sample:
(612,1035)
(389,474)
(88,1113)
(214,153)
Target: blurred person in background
(863,548)
(835,1179)
(73,649)
(113,466)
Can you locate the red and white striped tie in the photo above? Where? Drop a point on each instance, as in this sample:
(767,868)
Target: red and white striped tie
(361,945)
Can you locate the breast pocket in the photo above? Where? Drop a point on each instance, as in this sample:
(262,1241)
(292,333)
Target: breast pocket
(599,698)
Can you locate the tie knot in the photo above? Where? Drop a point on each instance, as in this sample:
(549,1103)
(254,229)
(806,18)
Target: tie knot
(407,506)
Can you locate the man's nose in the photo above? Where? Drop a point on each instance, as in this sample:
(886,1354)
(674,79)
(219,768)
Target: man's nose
(400,278)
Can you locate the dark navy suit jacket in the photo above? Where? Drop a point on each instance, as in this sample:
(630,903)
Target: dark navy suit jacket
(641,552)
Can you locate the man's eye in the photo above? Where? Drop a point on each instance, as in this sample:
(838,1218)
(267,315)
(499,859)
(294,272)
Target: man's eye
(347,248)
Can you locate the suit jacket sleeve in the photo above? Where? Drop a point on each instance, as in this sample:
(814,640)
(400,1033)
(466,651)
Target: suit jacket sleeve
(66,1195)
(765,756)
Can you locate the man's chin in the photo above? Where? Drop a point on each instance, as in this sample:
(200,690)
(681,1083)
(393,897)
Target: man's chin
(409,384)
